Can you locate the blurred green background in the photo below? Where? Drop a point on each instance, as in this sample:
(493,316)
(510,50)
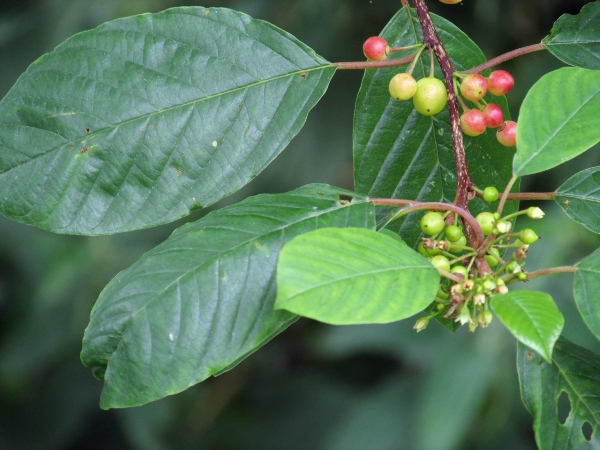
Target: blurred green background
(314,386)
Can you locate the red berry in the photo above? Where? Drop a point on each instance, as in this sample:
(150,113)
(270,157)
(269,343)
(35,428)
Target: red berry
(500,82)
(474,87)
(507,134)
(493,115)
(472,123)
(376,48)
(450,2)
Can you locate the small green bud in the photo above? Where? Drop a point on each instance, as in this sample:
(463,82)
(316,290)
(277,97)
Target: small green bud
(421,323)
(464,316)
(490,194)
(522,276)
(528,236)
(503,226)
(485,318)
(535,213)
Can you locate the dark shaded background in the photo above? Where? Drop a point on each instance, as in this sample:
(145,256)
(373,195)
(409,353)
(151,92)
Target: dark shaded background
(314,386)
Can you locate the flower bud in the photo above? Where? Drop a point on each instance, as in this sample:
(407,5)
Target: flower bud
(535,213)
(503,226)
(421,323)
(464,316)
(479,299)
(485,318)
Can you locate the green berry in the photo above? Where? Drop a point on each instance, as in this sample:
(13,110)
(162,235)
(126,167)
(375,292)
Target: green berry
(486,222)
(453,233)
(422,250)
(402,86)
(492,257)
(440,262)
(461,270)
(455,247)
(512,267)
(528,236)
(431,96)
(490,194)
(432,223)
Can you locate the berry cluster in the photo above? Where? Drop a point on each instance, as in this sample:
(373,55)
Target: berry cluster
(473,122)
(465,293)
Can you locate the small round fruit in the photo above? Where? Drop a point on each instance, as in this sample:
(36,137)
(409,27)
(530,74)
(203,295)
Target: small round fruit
(376,48)
(473,123)
(492,257)
(402,86)
(431,96)
(454,233)
(486,222)
(432,223)
(474,87)
(462,270)
(528,236)
(507,134)
(500,82)
(490,194)
(456,247)
(450,2)
(441,262)
(494,116)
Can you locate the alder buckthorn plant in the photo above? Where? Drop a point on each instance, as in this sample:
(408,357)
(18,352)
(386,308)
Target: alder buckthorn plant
(431,233)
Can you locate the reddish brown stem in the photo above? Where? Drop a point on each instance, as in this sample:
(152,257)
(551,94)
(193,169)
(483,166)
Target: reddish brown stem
(525,195)
(505,57)
(552,270)
(363,65)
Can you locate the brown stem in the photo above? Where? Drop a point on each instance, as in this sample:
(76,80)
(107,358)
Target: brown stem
(552,270)
(363,65)
(526,195)
(413,205)
(505,57)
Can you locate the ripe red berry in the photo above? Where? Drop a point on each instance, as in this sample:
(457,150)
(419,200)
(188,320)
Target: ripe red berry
(494,117)
(500,82)
(474,87)
(507,134)
(376,48)
(472,123)
(450,2)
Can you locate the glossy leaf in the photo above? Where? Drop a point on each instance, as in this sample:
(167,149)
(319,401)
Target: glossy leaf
(558,120)
(586,290)
(579,197)
(532,317)
(575,39)
(353,276)
(563,396)
(144,119)
(399,153)
(203,300)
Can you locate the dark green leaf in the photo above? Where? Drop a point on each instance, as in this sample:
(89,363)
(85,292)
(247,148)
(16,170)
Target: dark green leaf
(532,317)
(586,290)
(579,197)
(563,396)
(353,276)
(558,120)
(575,39)
(399,153)
(200,302)
(147,118)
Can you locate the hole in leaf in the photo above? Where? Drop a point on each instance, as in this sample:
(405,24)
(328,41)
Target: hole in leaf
(345,198)
(563,407)
(587,431)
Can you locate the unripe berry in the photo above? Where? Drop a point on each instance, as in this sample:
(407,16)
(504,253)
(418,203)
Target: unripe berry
(455,247)
(500,82)
(528,236)
(402,86)
(440,262)
(431,96)
(507,134)
(453,233)
(490,194)
(450,2)
(376,48)
(460,270)
(492,257)
(486,222)
(472,123)
(432,223)
(494,116)
(474,87)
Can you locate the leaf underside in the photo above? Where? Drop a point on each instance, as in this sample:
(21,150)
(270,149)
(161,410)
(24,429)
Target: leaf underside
(579,197)
(399,153)
(586,291)
(573,377)
(144,119)
(198,303)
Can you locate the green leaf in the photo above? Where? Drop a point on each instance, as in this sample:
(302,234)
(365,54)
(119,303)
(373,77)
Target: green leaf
(579,197)
(586,291)
(558,120)
(575,39)
(563,396)
(353,276)
(203,300)
(399,153)
(532,317)
(144,119)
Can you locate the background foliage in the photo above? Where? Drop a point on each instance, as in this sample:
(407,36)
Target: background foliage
(315,386)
